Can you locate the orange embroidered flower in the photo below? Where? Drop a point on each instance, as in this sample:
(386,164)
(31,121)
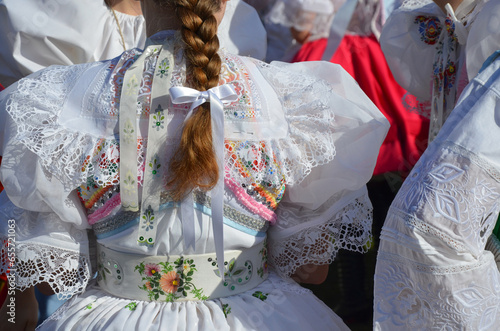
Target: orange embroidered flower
(169,282)
(148,285)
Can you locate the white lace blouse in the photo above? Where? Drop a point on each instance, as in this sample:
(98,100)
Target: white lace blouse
(300,143)
(433,272)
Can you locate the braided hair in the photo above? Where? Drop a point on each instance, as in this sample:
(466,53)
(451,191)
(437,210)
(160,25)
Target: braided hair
(194,163)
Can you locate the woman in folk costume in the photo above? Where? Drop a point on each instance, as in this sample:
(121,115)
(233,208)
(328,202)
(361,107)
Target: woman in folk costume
(35,34)
(435,48)
(346,32)
(195,170)
(433,259)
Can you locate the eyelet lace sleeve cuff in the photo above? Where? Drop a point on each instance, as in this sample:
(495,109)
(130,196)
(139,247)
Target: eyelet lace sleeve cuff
(66,271)
(321,236)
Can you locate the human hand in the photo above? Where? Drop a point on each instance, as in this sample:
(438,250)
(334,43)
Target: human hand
(311,274)
(300,36)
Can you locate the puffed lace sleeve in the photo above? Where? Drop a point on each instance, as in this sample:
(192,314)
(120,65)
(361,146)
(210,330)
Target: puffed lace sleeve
(433,271)
(41,217)
(409,41)
(334,134)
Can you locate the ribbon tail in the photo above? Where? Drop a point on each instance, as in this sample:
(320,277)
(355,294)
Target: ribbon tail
(217,119)
(187,210)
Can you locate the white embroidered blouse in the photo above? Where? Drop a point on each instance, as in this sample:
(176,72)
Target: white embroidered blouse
(433,271)
(301,141)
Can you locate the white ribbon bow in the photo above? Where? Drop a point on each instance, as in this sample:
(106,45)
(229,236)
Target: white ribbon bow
(217,96)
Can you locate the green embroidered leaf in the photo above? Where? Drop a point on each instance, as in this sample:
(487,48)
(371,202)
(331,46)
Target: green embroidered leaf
(231,265)
(190,272)
(237,272)
(189,279)
(157,296)
(187,287)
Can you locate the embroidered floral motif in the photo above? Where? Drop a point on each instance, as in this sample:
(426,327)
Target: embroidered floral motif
(118,74)
(263,268)
(260,295)
(131,306)
(429,28)
(169,281)
(154,166)
(226,309)
(450,28)
(130,183)
(109,268)
(89,306)
(148,219)
(247,106)
(158,119)
(128,134)
(234,275)
(132,84)
(163,68)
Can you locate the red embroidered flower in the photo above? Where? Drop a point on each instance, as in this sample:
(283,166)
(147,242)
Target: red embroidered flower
(429,29)
(152,269)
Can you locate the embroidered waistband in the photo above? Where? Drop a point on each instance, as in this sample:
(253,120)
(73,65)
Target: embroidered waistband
(182,277)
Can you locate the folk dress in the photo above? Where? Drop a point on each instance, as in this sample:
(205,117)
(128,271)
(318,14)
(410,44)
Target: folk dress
(300,142)
(434,54)
(359,53)
(433,270)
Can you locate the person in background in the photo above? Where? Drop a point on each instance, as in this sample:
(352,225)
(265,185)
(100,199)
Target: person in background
(434,49)
(317,25)
(35,34)
(433,269)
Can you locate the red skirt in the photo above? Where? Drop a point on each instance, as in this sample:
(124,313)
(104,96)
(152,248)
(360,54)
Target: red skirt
(362,58)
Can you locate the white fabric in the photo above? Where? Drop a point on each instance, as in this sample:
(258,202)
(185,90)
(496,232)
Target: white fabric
(35,34)
(242,32)
(281,305)
(433,271)
(413,60)
(311,119)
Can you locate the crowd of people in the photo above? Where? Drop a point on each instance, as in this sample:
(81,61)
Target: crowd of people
(210,164)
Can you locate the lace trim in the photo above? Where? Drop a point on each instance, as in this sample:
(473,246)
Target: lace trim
(311,122)
(434,270)
(413,4)
(35,107)
(412,221)
(349,228)
(406,302)
(67,272)
(477,160)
